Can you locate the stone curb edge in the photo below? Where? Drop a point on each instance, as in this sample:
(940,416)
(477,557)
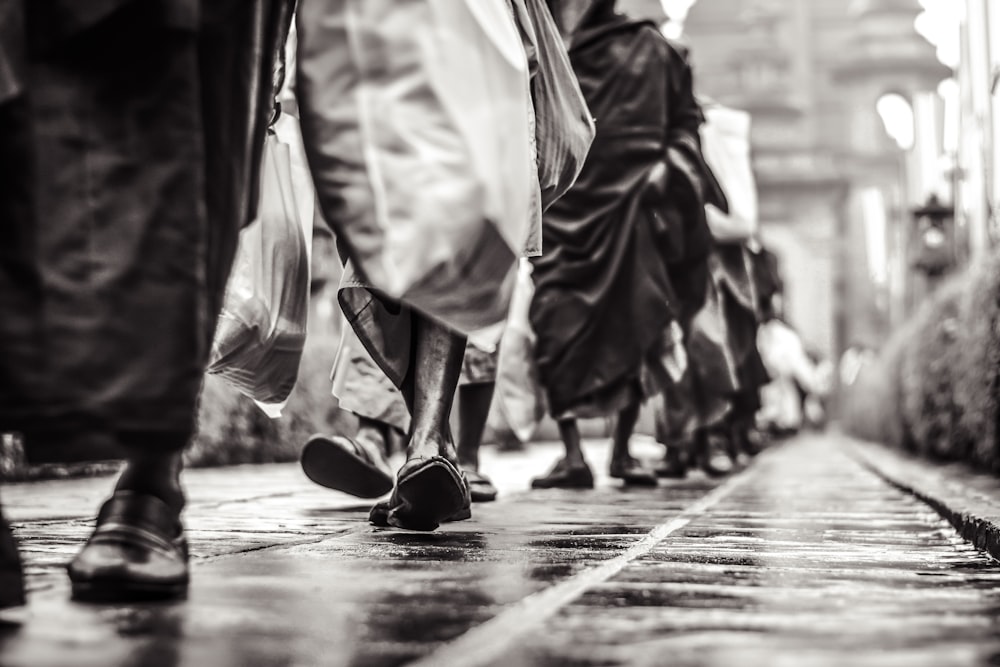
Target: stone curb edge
(958,496)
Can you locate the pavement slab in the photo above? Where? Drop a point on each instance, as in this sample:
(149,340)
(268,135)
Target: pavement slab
(807,557)
(968,499)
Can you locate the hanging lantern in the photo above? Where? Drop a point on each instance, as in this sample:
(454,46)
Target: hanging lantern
(934,237)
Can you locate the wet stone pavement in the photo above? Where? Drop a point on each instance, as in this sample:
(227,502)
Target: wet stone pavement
(805,558)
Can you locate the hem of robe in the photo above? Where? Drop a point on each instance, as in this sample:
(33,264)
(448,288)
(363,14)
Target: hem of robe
(362,388)
(78,440)
(607,402)
(650,379)
(384,327)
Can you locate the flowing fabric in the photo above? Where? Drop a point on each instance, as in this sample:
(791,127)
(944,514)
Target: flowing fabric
(469,294)
(134,144)
(362,387)
(603,299)
(416,118)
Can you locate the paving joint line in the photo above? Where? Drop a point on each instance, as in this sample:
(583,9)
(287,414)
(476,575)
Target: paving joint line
(314,539)
(487,642)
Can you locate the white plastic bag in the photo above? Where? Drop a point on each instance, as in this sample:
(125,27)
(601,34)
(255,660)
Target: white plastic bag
(725,143)
(518,390)
(417,119)
(564,126)
(262,328)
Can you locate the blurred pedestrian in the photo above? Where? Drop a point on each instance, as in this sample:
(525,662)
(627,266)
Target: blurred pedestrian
(726,143)
(692,403)
(796,376)
(133,131)
(603,300)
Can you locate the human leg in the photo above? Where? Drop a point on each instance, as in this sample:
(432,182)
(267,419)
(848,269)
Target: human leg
(473,410)
(572,471)
(430,487)
(623,465)
(356,463)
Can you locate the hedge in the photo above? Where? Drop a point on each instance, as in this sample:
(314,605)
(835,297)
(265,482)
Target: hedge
(934,387)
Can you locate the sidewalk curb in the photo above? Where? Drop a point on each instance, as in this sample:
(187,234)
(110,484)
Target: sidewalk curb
(970,502)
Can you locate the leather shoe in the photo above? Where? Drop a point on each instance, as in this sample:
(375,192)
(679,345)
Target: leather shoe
(137,552)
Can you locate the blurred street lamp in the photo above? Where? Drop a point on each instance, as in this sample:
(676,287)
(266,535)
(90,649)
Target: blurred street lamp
(934,238)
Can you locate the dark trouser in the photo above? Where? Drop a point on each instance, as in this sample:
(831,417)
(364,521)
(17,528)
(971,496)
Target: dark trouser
(131,167)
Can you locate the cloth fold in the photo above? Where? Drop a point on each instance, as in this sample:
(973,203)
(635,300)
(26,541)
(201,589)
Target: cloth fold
(603,299)
(136,144)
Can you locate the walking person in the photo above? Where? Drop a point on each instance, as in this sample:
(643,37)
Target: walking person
(708,418)
(136,129)
(416,174)
(603,299)
(358,464)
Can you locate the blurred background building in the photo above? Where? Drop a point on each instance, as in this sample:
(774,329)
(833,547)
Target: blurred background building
(864,142)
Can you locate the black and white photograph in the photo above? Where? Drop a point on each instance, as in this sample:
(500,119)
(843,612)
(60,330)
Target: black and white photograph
(489,333)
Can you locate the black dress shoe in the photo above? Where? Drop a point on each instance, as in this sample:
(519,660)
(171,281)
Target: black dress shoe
(11,574)
(137,552)
(566,476)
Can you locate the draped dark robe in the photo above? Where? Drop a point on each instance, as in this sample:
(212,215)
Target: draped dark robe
(738,290)
(131,132)
(603,296)
(691,187)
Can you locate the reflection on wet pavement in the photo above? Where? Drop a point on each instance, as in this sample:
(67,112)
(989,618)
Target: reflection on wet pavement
(805,559)
(814,561)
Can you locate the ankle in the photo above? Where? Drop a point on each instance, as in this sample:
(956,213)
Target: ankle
(430,444)
(468,461)
(160,479)
(169,493)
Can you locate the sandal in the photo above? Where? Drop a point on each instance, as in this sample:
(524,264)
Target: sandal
(674,465)
(379,514)
(429,491)
(566,476)
(714,455)
(480,486)
(344,464)
(633,473)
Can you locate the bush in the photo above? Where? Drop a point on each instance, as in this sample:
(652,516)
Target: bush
(869,407)
(977,364)
(928,411)
(934,388)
